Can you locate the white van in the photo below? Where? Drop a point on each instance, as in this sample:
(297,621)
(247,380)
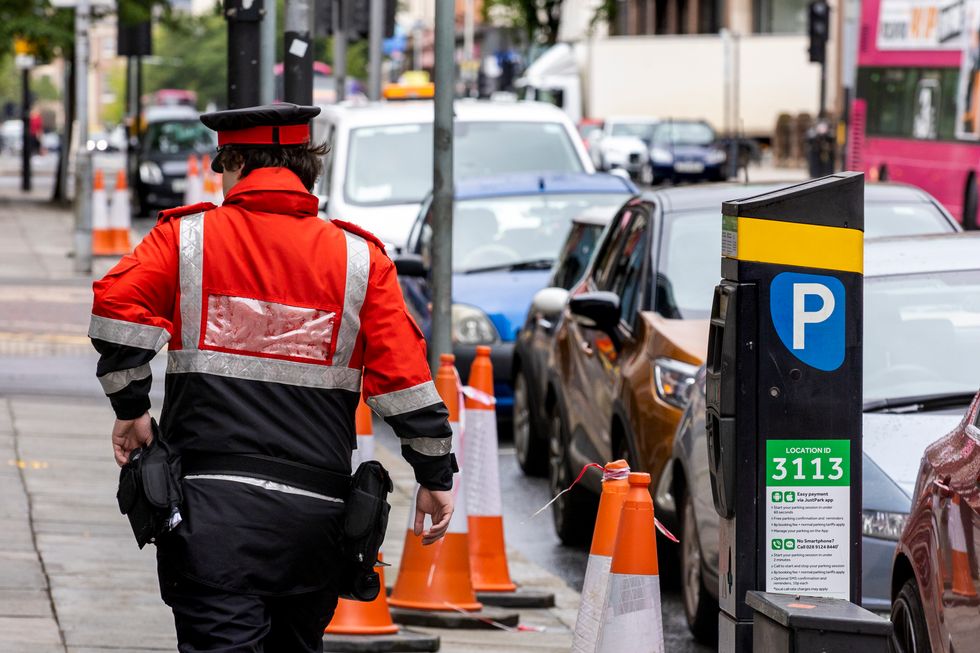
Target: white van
(379,168)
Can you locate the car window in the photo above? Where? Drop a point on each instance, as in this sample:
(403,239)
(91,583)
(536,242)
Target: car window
(179,137)
(683,133)
(575,255)
(524,231)
(641,130)
(688,267)
(903,219)
(610,247)
(392,164)
(329,132)
(626,275)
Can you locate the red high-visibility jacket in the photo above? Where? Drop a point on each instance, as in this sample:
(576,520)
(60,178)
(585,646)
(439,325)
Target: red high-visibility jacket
(275,320)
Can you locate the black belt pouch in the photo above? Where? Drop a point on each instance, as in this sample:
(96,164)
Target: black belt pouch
(365,523)
(149,490)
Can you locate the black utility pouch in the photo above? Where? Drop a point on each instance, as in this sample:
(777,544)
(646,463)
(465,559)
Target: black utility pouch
(365,523)
(149,490)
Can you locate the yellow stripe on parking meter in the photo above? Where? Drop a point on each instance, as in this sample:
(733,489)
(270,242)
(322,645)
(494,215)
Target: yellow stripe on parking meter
(794,243)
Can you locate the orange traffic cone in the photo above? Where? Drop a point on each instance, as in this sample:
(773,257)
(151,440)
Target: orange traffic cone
(212,184)
(437,577)
(364,427)
(614,489)
(102,240)
(631,616)
(488,558)
(120,216)
(194,185)
(962,578)
(360,618)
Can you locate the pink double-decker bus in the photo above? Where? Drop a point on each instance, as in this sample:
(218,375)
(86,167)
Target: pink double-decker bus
(916,113)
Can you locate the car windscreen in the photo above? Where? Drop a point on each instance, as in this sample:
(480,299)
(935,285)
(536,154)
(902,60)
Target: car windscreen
(392,164)
(522,231)
(683,133)
(641,130)
(179,137)
(688,267)
(922,334)
(903,219)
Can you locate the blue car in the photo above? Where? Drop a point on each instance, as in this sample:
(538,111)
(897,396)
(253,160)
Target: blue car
(685,150)
(507,232)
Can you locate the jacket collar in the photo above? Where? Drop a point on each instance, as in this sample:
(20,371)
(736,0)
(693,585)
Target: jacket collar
(273,190)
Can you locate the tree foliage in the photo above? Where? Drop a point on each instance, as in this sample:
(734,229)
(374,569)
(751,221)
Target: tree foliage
(190,52)
(539,19)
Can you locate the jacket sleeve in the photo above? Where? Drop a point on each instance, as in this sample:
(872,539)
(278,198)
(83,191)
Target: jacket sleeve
(397,383)
(132,319)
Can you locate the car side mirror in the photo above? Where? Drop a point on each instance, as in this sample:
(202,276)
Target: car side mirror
(549,302)
(410,265)
(619,172)
(597,310)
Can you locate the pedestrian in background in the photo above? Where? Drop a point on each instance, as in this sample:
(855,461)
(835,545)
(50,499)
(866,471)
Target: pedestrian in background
(275,320)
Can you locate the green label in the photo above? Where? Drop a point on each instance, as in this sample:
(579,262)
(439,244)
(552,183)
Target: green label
(729,236)
(808,463)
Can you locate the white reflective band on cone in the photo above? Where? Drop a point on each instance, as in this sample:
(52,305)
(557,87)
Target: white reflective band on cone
(100,210)
(482,473)
(590,608)
(631,618)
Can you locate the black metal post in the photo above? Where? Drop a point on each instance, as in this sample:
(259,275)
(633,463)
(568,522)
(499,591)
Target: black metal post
(28,142)
(244,41)
(298,68)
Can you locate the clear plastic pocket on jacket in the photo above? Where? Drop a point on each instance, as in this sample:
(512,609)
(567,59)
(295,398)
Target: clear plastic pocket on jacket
(261,327)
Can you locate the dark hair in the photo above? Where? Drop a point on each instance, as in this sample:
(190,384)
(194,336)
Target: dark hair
(305,161)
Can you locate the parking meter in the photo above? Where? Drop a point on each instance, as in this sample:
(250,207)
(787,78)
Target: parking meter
(784,397)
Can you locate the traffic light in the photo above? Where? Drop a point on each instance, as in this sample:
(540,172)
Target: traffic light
(360,18)
(818,26)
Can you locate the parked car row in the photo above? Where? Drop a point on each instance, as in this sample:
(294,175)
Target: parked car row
(654,151)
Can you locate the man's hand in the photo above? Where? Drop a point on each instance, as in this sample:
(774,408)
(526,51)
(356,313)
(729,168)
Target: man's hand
(129,434)
(439,505)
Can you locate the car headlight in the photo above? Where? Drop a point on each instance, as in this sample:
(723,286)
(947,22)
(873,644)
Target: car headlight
(673,379)
(151,173)
(716,156)
(471,326)
(883,525)
(885,506)
(661,156)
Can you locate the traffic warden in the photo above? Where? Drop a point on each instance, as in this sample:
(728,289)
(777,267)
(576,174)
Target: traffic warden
(275,320)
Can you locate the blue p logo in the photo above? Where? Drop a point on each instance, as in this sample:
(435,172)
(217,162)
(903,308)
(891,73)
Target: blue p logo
(808,314)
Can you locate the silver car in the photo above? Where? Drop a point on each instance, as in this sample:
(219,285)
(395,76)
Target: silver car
(922,337)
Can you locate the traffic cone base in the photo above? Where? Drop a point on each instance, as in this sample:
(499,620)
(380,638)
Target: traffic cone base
(632,620)
(590,609)
(487,562)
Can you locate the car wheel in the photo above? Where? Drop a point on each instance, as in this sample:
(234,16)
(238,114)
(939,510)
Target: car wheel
(700,607)
(909,632)
(573,513)
(529,446)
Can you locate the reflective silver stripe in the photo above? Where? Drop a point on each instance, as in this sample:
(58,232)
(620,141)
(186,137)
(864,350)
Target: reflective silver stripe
(265,485)
(130,334)
(271,370)
(358,269)
(191,278)
(113,382)
(430,446)
(405,401)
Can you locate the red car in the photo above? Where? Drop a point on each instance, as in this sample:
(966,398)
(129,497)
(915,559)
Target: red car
(935,586)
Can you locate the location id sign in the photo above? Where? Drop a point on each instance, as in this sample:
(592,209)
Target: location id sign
(808,525)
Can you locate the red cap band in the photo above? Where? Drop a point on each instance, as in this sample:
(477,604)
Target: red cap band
(285,135)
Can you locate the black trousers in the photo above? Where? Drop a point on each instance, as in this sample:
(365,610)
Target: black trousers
(217,621)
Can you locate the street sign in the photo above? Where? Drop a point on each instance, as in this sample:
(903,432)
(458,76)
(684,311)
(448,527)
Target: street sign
(784,411)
